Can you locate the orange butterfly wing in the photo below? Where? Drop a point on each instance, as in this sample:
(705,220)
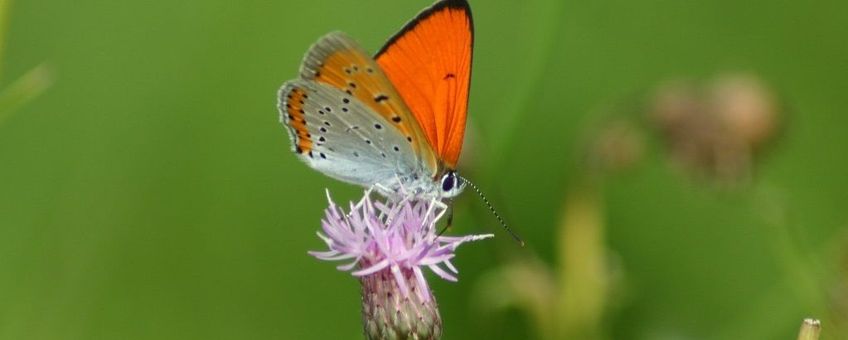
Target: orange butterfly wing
(429,63)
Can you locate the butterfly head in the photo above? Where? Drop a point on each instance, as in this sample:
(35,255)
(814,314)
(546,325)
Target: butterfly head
(451,184)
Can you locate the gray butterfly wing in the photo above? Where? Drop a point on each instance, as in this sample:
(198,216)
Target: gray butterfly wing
(335,133)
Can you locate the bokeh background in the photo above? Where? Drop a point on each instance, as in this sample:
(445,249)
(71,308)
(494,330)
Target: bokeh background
(677,168)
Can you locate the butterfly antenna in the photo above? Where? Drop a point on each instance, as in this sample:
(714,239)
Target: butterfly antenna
(494,212)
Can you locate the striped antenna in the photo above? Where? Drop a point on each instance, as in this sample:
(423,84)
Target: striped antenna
(494,212)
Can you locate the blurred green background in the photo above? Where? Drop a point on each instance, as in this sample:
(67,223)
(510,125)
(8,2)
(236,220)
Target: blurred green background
(149,192)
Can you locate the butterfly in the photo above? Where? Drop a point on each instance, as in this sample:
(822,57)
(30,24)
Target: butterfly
(394,121)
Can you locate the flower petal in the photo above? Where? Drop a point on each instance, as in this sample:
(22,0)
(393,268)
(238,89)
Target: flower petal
(443,274)
(401,280)
(372,269)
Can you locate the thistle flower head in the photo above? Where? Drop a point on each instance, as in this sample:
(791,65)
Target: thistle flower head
(387,246)
(394,236)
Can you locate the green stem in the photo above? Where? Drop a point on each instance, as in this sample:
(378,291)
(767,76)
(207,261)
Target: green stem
(810,330)
(4,6)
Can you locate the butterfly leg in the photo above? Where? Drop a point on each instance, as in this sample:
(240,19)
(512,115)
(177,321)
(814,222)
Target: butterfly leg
(434,204)
(449,209)
(382,189)
(402,188)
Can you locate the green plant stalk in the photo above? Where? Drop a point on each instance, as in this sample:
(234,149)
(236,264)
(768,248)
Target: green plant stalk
(583,276)
(4,22)
(810,330)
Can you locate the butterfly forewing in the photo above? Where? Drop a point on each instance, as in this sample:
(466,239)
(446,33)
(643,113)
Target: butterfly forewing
(429,63)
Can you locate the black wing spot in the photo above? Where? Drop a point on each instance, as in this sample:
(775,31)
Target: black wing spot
(322,139)
(310,154)
(396,119)
(352,85)
(327,123)
(298,149)
(323,129)
(449,76)
(328,109)
(409,139)
(396,148)
(378,126)
(383,154)
(344,109)
(356,154)
(345,100)
(369,70)
(323,155)
(381,98)
(368,141)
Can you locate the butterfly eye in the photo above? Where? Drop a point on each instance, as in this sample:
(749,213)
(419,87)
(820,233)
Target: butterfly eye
(452,184)
(448,181)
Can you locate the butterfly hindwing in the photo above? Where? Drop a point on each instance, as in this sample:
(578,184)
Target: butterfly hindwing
(429,63)
(340,136)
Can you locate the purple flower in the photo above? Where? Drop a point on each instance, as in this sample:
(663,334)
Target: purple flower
(390,236)
(388,243)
